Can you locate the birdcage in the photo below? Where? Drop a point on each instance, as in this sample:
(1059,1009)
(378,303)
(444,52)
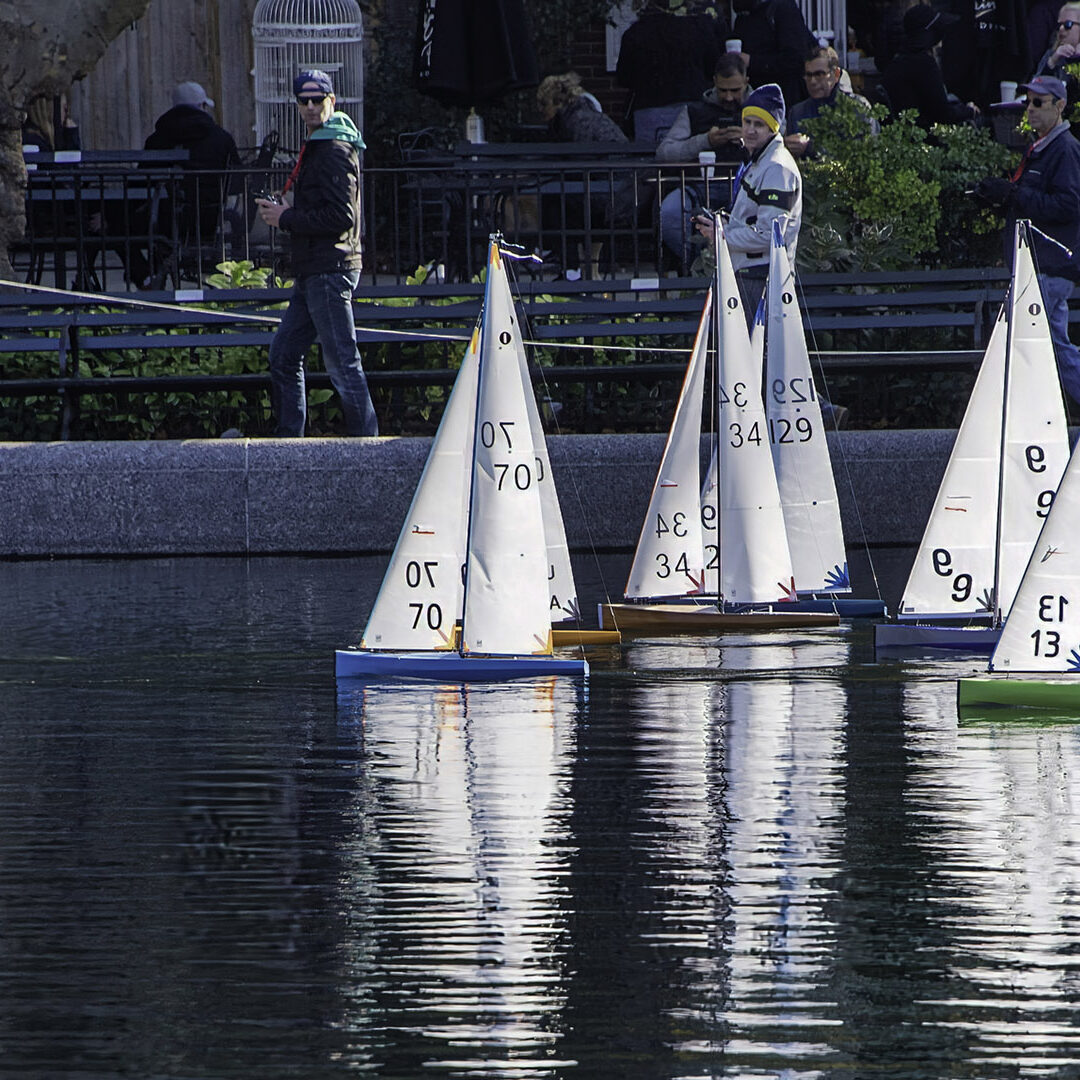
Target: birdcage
(291,35)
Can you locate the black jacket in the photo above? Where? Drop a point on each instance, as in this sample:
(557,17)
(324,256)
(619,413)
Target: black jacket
(914,81)
(775,36)
(210,147)
(325,219)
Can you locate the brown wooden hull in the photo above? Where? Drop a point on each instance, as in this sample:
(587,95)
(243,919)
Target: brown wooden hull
(560,637)
(697,619)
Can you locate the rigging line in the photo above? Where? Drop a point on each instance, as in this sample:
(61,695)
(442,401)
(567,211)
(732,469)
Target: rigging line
(839,441)
(571,473)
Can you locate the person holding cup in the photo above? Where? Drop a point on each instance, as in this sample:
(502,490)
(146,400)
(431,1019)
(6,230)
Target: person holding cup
(713,126)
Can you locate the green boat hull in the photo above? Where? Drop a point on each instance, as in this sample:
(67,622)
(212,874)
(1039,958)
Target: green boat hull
(1021,693)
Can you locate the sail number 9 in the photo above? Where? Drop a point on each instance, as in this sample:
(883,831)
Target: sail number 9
(943,567)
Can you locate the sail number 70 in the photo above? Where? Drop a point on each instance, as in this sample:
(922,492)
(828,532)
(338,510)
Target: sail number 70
(422,574)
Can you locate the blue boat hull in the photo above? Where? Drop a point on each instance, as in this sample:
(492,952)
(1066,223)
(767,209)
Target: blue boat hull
(977,639)
(450,666)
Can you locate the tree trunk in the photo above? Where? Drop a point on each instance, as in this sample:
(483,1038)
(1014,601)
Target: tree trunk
(46,47)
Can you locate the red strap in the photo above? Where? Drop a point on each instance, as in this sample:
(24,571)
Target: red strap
(1019,168)
(295,169)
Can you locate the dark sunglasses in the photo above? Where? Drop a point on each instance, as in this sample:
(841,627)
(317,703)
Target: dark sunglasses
(1040,103)
(315,99)
(1068,24)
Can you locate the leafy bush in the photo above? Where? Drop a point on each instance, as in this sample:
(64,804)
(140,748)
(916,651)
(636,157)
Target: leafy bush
(896,200)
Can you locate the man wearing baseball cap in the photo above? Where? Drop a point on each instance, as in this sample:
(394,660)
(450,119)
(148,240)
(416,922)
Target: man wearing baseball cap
(1045,189)
(320,210)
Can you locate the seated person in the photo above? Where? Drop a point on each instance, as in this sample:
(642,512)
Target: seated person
(572,115)
(822,73)
(913,79)
(40,128)
(714,123)
(189,125)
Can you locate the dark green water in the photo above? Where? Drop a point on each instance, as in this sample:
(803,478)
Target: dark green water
(748,857)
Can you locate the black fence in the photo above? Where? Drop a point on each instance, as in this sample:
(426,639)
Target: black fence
(588,212)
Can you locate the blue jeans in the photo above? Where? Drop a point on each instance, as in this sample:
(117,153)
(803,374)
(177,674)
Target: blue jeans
(675,209)
(320,307)
(1056,292)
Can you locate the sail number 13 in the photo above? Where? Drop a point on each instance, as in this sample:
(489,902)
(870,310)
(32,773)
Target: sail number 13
(1051,610)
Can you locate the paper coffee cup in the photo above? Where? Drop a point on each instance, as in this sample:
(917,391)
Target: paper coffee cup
(733,45)
(707,159)
(1008,91)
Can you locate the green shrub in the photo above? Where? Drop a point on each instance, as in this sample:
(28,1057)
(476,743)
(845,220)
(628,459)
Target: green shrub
(896,200)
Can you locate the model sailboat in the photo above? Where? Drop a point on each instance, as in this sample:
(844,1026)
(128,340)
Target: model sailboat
(1038,654)
(718,557)
(1005,465)
(481,568)
(800,450)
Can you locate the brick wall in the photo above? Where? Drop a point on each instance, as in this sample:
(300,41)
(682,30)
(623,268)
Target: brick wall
(589,60)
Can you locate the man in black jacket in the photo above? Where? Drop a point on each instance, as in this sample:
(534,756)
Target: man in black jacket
(1045,189)
(323,224)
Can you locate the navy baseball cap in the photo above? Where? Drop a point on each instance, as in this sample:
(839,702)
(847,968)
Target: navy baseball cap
(319,78)
(1045,84)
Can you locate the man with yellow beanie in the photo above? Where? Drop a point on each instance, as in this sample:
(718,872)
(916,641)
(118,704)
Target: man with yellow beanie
(768,187)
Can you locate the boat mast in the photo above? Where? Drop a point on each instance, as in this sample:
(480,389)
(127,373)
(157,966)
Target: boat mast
(717,299)
(485,330)
(1010,299)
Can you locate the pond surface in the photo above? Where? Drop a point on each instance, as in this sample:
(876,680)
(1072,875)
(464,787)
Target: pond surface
(754,856)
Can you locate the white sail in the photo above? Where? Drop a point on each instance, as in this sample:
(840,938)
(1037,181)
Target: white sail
(800,451)
(1042,632)
(421,595)
(506,580)
(954,568)
(561,587)
(1036,429)
(755,563)
(670,557)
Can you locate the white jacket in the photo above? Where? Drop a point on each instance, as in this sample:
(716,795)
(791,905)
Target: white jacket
(769,188)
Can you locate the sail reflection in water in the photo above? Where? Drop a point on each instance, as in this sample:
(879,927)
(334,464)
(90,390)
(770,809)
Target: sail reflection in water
(1007,877)
(758,757)
(465,839)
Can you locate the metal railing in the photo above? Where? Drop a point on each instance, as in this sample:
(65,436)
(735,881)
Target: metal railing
(109,227)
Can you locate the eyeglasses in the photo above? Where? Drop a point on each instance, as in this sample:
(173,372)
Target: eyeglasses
(1068,24)
(315,99)
(817,74)
(1040,103)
